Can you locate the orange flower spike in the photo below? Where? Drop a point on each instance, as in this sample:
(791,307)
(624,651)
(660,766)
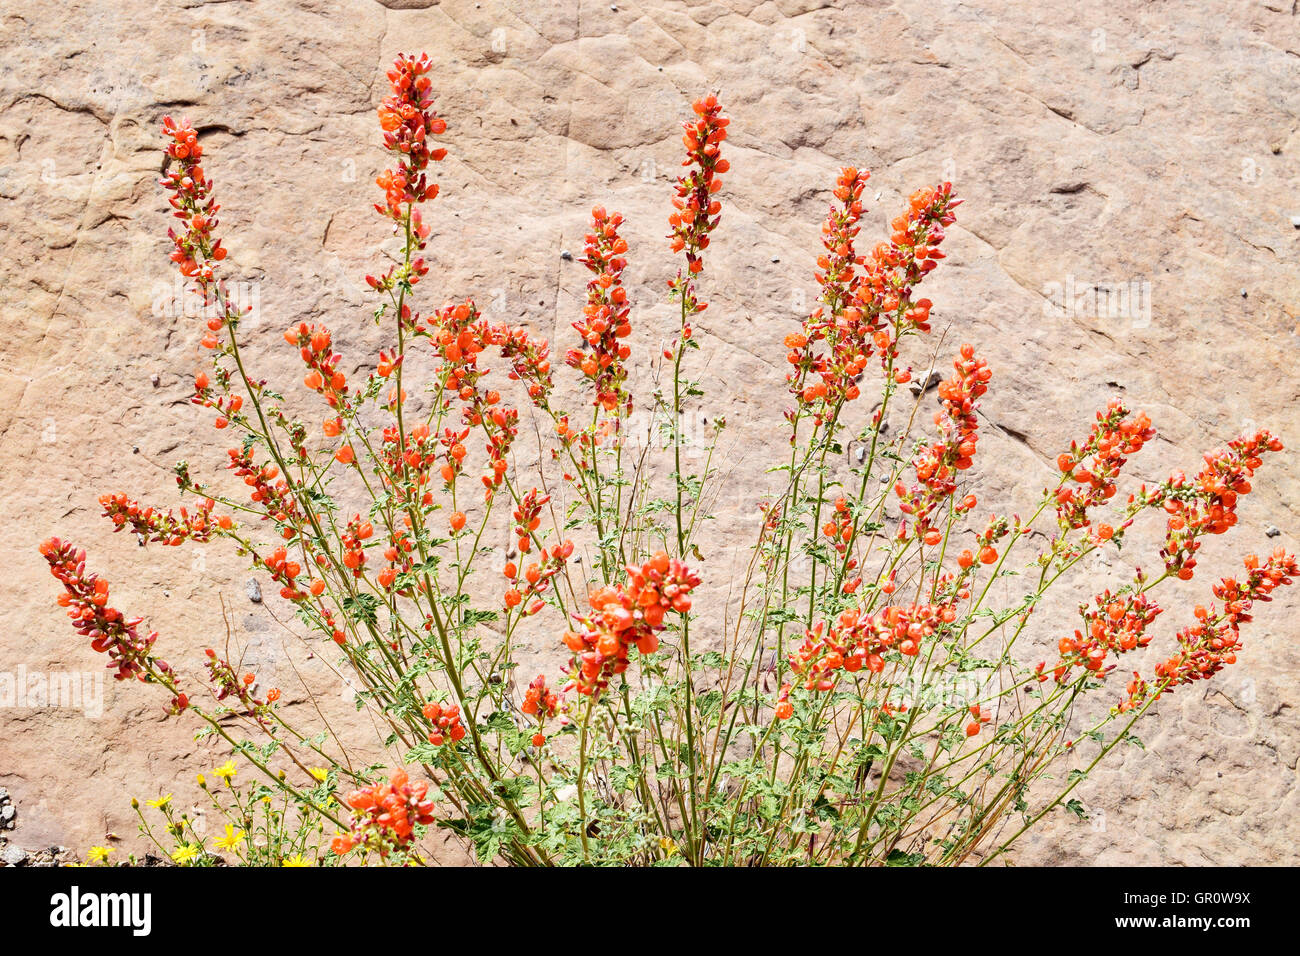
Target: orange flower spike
(408,122)
(195,248)
(109,630)
(937,467)
(605,316)
(1211,643)
(167,528)
(845,332)
(1208,503)
(697,213)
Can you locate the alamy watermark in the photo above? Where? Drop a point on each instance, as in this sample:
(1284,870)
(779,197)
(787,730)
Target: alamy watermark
(1125,301)
(70,690)
(180,298)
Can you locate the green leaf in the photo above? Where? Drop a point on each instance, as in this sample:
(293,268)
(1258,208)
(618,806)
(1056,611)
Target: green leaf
(472,617)
(361,608)
(899,858)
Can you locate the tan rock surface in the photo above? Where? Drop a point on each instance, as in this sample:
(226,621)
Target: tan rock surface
(1103,143)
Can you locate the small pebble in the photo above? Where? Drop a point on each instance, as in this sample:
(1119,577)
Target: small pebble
(925,383)
(1295,221)
(1244,293)
(566,255)
(253,590)
(154,379)
(1272,532)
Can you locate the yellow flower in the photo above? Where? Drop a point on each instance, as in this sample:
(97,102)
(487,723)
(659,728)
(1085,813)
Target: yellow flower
(295,861)
(320,773)
(668,845)
(185,852)
(230,840)
(161,801)
(202,780)
(226,771)
(99,854)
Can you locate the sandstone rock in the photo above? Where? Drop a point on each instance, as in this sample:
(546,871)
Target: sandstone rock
(13,855)
(1128,146)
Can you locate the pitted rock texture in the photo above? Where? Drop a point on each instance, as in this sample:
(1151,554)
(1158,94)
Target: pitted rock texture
(1148,148)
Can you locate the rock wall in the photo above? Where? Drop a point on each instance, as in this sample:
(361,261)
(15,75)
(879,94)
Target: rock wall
(1150,149)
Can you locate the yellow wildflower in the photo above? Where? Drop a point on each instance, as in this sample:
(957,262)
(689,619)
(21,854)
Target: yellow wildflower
(230,840)
(185,853)
(98,854)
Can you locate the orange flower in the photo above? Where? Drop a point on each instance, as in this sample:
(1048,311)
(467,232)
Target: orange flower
(408,121)
(938,465)
(1212,642)
(605,316)
(627,616)
(384,816)
(86,597)
(695,210)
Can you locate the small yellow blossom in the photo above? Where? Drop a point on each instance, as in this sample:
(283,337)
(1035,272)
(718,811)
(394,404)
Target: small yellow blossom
(226,771)
(98,854)
(185,853)
(320,773)
(230,840)
(161,801)
(295,861)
